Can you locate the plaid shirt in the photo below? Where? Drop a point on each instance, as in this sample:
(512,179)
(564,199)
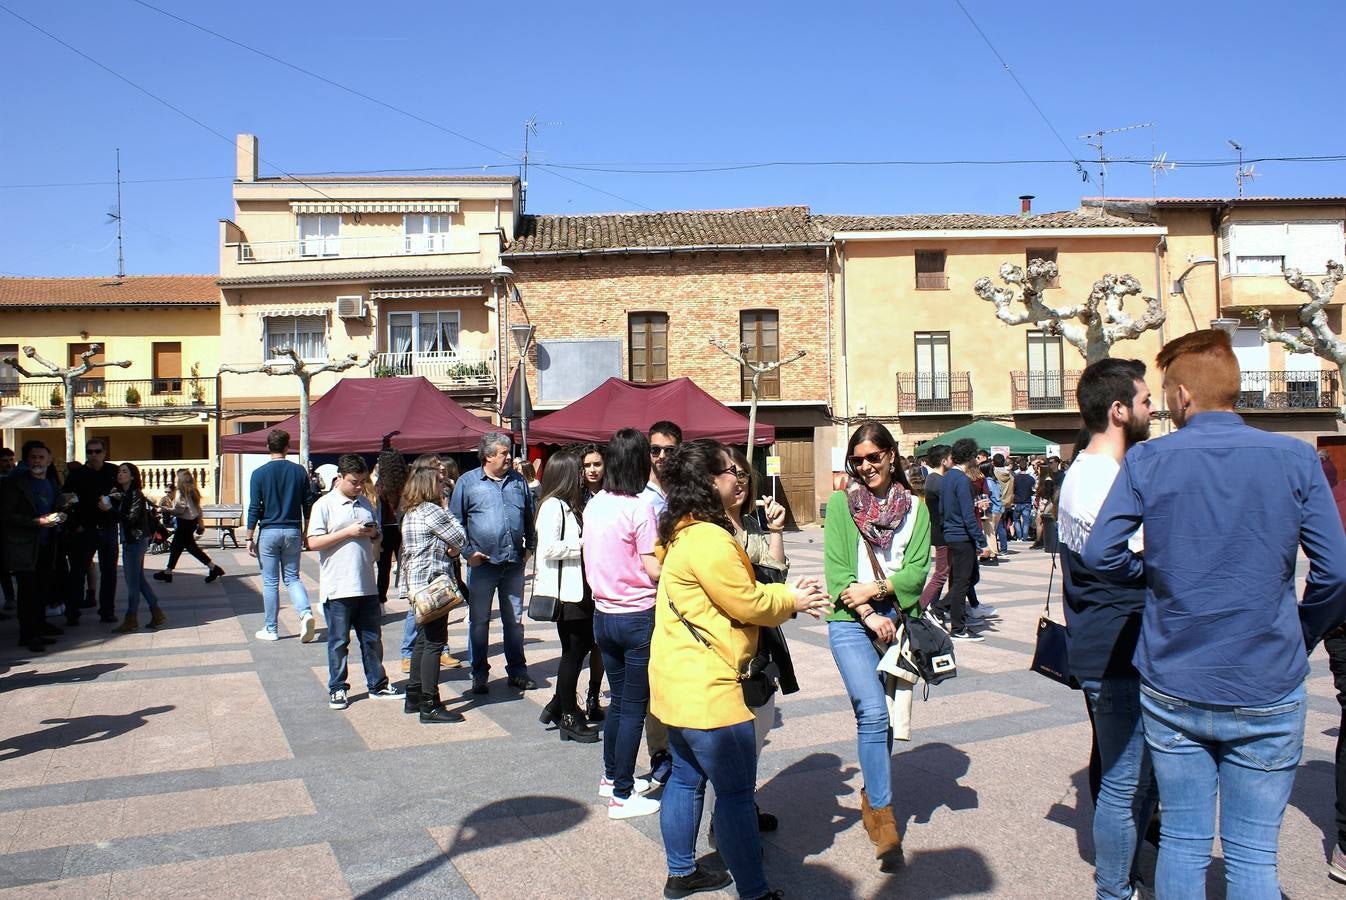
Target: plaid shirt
(428,531)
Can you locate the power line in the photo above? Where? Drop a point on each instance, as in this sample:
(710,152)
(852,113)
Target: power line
(1079,167)
(371,99)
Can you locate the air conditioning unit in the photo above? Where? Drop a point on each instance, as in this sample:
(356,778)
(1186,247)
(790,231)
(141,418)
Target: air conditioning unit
(351,307)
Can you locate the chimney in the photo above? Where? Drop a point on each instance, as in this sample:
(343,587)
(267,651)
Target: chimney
(1025,205)
(245,158)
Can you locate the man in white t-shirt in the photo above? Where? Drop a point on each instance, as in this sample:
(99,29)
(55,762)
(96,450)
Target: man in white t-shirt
(343,527)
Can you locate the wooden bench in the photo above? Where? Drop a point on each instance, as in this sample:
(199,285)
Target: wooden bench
(226,517)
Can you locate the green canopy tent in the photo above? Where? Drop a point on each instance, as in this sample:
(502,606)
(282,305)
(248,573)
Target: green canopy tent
(988,435)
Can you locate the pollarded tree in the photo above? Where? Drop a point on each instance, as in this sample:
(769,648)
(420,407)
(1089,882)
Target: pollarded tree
(69,376)
(1315,335)
(1098,323)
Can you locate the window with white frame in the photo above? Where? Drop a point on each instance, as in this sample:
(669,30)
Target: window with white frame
(319,235)
(419,333)
(932,369)
(307,335)
(1268,248)
(426,232)
(1044,368)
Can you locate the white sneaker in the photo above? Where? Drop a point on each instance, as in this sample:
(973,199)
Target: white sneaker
(307,628)
(631,807)
(265,635)
(642,786)
(337,699)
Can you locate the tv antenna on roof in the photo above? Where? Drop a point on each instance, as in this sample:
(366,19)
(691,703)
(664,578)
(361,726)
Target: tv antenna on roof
(529,129)
(1243,173)
(1158,166)
(1095,139)
(115,215)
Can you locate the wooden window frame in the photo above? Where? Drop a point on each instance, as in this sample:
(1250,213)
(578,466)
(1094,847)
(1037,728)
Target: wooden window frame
(769,386)
(654,373)
(932,279)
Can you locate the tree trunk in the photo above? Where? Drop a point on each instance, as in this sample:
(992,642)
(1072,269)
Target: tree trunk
(70,381)
(752,414)
(303,420)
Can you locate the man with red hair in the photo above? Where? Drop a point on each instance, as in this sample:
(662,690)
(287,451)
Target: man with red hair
(1223,649)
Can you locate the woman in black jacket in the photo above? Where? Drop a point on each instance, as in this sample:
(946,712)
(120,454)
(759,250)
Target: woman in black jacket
(133,514)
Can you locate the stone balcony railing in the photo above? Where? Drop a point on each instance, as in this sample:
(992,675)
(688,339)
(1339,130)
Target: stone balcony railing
(120,396)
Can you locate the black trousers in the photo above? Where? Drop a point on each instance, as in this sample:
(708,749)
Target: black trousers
(577,641)
(390,545)
(36,588)
(82,549)
(1335,645)
(184,538)
(962,563)
(430,640)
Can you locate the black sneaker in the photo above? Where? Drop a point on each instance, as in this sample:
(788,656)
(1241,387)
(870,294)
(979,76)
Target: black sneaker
(966,637)
(700,880)
(163,576)
(522,682)
(337,699)
(479,686)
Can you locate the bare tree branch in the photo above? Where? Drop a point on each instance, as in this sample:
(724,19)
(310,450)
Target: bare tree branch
(1315,334)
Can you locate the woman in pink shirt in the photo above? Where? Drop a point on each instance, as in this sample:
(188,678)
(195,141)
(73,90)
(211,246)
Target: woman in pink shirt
(620,531)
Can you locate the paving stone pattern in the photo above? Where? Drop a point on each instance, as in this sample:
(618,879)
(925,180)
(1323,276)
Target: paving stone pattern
(196,761)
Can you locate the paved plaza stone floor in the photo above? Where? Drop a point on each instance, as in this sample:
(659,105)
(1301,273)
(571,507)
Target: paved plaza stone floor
(199,762)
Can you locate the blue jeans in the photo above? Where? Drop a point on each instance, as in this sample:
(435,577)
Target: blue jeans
(1245,754)
(727,758)
(1001,535)
(856,659)
(278,554)
(1021,513)
(1126,796)
(363,613)
(133,570)
(484,582)
(409,633)
(624,640)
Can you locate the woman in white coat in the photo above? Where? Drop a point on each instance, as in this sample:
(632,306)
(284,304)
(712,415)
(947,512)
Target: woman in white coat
(560,574)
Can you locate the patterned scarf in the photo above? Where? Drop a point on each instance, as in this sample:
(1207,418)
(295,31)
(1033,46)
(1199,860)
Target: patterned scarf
(878,519)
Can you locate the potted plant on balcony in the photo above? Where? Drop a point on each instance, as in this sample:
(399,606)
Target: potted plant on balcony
(57,397)
(198,389)
(132,396)
(384,371)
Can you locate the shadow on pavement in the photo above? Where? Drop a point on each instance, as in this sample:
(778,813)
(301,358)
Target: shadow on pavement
(917,799)
(77,675)
(1314,794)
(481,830)
(1080,817)
(78,730)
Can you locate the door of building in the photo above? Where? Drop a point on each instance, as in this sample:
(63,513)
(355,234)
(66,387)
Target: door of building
(796,480)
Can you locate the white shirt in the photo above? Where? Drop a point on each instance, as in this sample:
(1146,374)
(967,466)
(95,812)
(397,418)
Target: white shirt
(558,553)
(1091,477)
(346,569)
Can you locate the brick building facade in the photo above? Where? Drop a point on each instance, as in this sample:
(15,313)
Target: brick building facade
(641,296)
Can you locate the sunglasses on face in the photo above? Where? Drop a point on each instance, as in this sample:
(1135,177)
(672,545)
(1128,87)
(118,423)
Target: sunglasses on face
(656,450)
(740,474)
(874,459)
(95,451)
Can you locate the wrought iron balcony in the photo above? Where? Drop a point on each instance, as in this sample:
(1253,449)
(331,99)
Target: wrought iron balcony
(120,395)
(1276,390)
(1045,391)
(920,392)
(365,246)
(451,370)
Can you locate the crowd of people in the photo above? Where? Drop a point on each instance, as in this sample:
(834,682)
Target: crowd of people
(663,567)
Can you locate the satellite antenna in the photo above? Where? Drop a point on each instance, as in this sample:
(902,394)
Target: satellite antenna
(1243,173)
(115,215)
(1158,166)
(1095,139)
(529,129)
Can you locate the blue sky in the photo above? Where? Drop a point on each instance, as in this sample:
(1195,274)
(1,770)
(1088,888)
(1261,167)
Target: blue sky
(635,86)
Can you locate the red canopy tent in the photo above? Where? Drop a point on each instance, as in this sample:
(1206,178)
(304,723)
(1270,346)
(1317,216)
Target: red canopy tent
(617,404)
(356,413)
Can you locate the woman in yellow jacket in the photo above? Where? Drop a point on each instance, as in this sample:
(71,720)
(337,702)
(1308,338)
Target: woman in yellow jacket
(707,613)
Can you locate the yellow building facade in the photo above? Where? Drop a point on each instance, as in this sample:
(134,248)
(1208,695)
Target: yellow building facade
(404,273)
(158,412)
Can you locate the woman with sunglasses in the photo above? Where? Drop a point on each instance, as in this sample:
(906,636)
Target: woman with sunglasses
(133,514)
(707,622)
(591,482)
(875,519)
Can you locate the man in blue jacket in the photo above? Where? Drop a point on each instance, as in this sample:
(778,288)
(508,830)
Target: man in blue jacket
(963,536)
(495,507)
(1222,653)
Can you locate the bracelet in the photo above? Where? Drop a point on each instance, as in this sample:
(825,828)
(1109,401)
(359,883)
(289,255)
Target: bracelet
(881,586)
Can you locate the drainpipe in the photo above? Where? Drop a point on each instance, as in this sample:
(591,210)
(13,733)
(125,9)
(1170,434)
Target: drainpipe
(827,291)
(845,362)
(1159,249)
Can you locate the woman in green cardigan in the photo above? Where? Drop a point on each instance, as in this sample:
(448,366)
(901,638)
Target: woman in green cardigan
(877,508)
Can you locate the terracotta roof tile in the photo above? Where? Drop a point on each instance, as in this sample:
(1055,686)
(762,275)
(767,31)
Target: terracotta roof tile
(955,221)
(130,290)
(772,227)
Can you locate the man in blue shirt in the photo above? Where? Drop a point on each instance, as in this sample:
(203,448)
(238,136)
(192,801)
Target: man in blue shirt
(276,497)
(1222,654)
(1104,621)
(495,507)
(1024,483)
(963,536)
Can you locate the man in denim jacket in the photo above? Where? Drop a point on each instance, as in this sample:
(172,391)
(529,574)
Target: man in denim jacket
(495,507)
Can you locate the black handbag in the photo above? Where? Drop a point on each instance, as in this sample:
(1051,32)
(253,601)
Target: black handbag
(547,607)
(1051,656)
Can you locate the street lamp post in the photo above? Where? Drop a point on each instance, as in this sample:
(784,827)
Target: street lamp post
(523,336)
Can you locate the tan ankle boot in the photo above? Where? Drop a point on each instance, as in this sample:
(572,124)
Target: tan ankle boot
(867,815)
(129,624)
(157,618)
(887,840)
